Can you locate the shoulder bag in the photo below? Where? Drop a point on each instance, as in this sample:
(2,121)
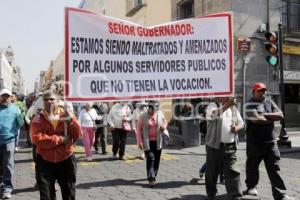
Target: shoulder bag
(125,124)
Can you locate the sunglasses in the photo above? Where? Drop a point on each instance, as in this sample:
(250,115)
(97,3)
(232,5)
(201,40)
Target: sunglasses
(49,99)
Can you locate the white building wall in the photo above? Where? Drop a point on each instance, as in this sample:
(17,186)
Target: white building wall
(5,73)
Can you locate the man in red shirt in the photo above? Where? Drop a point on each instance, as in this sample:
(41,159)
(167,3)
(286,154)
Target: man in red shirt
(54,133)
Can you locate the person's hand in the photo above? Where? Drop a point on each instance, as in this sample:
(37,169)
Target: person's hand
(65,140)
(112,127)
(162,128)
(141,146)
(233,129)
(67,117)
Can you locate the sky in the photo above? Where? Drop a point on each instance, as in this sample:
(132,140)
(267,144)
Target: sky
(35,31)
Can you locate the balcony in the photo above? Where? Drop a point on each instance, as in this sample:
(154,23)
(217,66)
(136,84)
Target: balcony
(132,6)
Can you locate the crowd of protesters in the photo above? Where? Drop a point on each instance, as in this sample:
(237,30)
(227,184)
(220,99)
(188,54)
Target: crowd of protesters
(53,128)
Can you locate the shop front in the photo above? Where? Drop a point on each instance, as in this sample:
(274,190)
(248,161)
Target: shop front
(292,98)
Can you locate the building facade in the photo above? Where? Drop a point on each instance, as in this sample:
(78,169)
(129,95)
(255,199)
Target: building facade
(291,49)
(252,21)
(11,75)
(6,71)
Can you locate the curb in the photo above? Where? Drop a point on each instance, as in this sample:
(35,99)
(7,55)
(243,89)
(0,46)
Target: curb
(292,150)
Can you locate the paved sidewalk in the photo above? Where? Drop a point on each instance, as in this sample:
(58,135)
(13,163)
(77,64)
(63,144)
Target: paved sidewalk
(109,179)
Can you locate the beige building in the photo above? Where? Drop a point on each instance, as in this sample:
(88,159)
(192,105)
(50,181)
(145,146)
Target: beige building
(142,12)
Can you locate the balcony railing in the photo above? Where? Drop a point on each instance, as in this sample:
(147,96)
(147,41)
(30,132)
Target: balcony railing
(132,6)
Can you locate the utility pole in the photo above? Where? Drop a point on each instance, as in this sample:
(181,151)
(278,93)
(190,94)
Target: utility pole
(244,82)
(268,15)
(268,30)
(283,137)
(244,46)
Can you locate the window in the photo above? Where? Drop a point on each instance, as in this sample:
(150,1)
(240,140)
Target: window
(185,9)
(291,16)
(132,6)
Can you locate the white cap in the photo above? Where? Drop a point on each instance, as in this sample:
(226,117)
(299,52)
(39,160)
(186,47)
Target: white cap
(5,91)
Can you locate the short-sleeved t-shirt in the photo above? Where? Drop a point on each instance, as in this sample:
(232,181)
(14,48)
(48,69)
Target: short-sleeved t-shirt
(259,133)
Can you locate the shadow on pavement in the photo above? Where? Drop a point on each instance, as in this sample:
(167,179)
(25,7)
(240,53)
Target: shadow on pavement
(191,197)
(23,151)
(83,159)
(171,184)
(23,161)
(116,182)
(203,197)
(24,190)
(188,154)
(110,183)
(195,181)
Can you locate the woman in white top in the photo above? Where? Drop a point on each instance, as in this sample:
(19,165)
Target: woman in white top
(87,117)
(118,114)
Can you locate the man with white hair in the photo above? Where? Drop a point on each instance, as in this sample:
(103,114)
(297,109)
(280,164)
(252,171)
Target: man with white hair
(54,132)
(11,121)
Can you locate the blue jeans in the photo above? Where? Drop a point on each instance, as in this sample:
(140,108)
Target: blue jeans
(17,138)
(7,166)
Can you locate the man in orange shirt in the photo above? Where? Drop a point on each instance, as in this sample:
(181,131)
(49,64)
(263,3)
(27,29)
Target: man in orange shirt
(54,133)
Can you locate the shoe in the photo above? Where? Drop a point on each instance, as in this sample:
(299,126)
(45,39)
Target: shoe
(96,151)
(56,187)
(142,157)
(104,152)
(210,197)
(201,175)
(286,197)
(151,184)
(17,149)
(6,195)
(89,158)
(36,187)
(122,158)
(252,192)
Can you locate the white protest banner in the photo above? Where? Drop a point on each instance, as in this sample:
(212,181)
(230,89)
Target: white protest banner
(111,59)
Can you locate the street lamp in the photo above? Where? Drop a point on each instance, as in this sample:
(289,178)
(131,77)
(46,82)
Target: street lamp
(283,137)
